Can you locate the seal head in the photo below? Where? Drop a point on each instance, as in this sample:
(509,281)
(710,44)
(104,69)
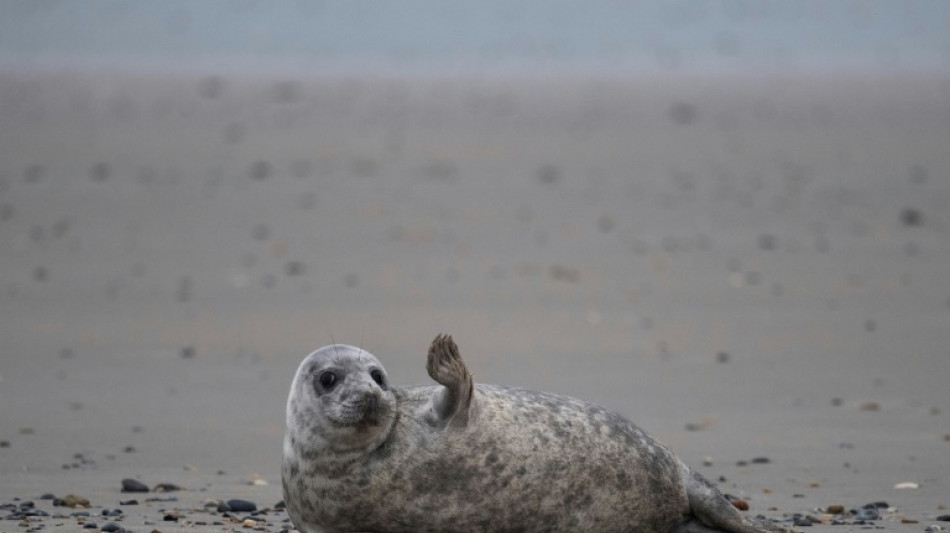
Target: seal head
(340,404)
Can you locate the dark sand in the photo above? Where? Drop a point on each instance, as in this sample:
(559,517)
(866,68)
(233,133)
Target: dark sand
(746,268)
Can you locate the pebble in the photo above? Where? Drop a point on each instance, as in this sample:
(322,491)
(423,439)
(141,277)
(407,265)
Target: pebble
(741,505)
(835,509)
(866,513)
(110,527)
(133,485)
(166,487)
(907,485)
(943,518)
(241,506)
(111,512)
(249,523)
(73,501)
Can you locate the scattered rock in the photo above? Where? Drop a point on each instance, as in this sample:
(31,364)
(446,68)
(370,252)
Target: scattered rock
(683,113)
(761,460)
(241,506)
(835,509)
(566,274)
(110,527)
(943,518)
(549,174)
(907,485)
(248,522)
(166,487)
(911,217)
(260,170)
(72,501)
(132,485)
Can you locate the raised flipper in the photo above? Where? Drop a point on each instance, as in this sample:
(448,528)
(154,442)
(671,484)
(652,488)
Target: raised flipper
(454,403)
(712,512)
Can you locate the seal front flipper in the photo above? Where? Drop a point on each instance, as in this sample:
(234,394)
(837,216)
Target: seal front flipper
(452,405)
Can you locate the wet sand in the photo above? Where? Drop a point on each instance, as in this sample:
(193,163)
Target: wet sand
(747,268)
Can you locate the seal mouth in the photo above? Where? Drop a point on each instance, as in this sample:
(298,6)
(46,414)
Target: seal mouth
(366,413)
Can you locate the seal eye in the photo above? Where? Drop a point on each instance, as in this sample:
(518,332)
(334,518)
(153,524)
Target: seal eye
(377,376)
(327,379)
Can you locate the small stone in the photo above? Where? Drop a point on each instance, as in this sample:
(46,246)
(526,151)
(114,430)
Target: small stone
(242,506)
(111,512)
(90,525)
(166,487)
(47,496)
(943,518)
(761,460)
(260,170)
(870,406)
(73,501)
(682,113)
(707,461)
(188,352)
(866,513)
(110,527)
(249,523)
(295,268)
(911,217)
(6,443)
(907,485)
(549,174)
(722,357)
(223,507)
(767,241)
(132,485)
(128,502)
(835,509)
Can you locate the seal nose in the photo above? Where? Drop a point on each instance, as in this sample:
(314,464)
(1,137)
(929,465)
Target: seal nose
(370,402)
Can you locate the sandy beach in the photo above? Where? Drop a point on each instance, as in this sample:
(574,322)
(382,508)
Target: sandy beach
(756,270)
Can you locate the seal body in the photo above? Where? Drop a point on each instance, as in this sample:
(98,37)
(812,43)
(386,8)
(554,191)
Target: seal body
(361,456)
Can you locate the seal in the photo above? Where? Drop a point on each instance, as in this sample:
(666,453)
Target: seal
(361,455)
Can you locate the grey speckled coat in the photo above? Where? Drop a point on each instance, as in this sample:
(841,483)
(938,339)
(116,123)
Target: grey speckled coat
(360,456)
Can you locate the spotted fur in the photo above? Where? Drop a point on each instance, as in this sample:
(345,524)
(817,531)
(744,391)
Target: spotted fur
(361,456)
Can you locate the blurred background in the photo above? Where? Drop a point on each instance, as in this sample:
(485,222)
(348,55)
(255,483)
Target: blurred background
(725,219)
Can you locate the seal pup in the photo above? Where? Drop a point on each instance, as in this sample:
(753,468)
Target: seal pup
(361,455)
